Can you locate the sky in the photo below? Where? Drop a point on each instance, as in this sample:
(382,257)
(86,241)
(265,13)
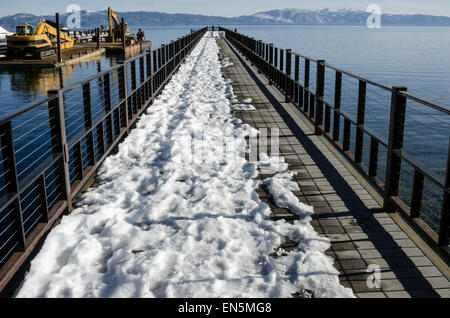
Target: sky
(227,8)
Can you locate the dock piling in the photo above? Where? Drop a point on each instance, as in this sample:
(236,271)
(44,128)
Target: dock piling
(58,32)
(97,34)
(124,36)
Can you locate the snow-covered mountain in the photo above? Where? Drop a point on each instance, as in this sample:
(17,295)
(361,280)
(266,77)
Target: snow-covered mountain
(338,17)
(286,16)
(301,16)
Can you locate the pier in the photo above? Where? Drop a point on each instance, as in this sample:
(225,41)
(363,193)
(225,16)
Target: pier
(369,227)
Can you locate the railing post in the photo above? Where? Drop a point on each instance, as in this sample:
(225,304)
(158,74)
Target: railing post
(396,133)
(149,75)
(164,59)
(270,75)
(87,105)
(281,73)
(11,179)
(107,91)
(337,106)
(108,106)
(142,87)
(276,58)
(359,143)
(306,88)
(287,77)
(123,95)
(133,75)
(253,51)
(297,79)
(267,54)
(141,70)
(167,50)
(444,231)
(160,54)
(281,60)
(260,56)
(59,141)
(155,62)
(320,87)
(88,123)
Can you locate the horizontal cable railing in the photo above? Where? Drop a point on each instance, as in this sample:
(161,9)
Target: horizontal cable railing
(50,149)
(345,108)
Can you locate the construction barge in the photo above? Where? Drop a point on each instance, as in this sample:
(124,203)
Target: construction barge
(79,53)
(50,45)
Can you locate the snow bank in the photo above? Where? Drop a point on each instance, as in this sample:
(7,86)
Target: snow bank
(245,107)
(160,226)
(281,187)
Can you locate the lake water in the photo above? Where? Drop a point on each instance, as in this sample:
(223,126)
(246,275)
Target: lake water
(19,86)
(415,57)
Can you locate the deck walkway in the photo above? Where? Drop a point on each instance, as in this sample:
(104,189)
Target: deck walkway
(348,209)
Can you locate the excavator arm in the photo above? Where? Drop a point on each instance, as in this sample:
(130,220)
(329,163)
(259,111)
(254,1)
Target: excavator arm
(112,17)
(44,28)
(116,30)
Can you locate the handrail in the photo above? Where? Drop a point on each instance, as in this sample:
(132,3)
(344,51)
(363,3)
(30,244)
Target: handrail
(30,106)
(90,78)
(358,77)
(426,103)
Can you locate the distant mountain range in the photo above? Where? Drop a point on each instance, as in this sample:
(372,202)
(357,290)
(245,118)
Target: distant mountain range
(286,16)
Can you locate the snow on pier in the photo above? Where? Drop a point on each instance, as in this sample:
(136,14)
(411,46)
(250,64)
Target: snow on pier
(163,223)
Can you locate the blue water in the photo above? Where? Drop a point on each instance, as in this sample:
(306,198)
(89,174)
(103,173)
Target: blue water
(415,57)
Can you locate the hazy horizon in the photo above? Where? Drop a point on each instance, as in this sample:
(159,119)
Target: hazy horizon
(230,9)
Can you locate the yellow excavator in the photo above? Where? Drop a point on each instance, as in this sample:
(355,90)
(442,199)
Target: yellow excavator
(40,42)
(115,31)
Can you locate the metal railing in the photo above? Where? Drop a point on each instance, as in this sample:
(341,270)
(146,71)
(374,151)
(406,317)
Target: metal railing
(51,148)
(351,135)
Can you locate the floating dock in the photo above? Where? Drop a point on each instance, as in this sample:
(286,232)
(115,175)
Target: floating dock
(117,48)
(79,53)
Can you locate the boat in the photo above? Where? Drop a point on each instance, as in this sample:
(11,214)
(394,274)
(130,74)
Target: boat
(3,48)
